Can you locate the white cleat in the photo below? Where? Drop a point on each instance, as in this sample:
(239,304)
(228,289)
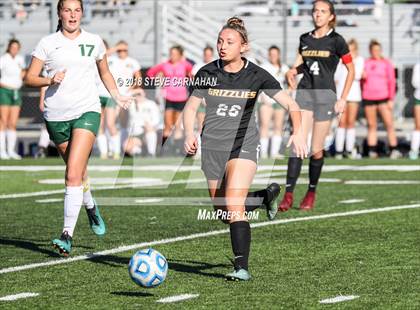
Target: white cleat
(395,154)
(4,156)
(15,156)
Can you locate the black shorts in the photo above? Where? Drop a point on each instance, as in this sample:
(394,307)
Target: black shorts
(322,111)
(319,101)
(213,163)
(375,102)
(174,105)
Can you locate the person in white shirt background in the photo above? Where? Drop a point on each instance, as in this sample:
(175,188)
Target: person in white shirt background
(208,56)
(108,134)
(12,73)
(269,110)
(415,139)
(346,131)
(144,121)
(124,68)
(71,57)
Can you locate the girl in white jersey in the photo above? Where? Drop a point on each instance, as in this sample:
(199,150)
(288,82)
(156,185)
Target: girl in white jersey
(346,131)
(71,57)
(12,73)
(269,109)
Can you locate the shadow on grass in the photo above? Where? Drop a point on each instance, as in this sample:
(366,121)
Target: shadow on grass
(39,246)
(132,294)
(185,266)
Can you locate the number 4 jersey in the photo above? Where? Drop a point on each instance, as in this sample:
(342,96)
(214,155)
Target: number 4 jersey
(230,121)
(77,93)
(320,59)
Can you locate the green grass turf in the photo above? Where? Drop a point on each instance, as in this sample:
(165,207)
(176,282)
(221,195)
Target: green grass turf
(294,265)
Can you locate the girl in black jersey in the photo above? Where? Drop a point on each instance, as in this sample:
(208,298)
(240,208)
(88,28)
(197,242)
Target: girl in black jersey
(319,53)
(230,139)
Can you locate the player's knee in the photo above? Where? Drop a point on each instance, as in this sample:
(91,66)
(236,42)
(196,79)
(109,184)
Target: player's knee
(11,126)
(372,125)
(318,155)
(73,177)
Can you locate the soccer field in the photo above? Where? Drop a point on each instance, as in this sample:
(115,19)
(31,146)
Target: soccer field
(360,246)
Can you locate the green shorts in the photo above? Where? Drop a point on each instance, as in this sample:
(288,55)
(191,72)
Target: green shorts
(107,102)
(11,97)
(61,132)
(274,105)
(416,101)
(201,108)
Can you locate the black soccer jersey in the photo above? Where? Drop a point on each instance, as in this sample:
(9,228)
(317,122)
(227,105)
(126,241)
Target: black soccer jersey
(230,121)
(320,59)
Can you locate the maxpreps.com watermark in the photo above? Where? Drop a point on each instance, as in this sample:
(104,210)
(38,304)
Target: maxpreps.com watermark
(214,215)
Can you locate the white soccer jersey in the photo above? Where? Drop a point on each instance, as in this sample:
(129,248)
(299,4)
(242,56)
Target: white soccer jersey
(123,70)
(278,73)
(415,80)
(146,112)
(355,94)
(10,70)
(78,92)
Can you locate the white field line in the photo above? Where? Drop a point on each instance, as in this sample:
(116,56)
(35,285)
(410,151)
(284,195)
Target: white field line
(177,298)
(174,167)
(49,200)
(257,181)
(351,201)
(337,299)
(18,296)
(200,235)
(98,188)
(381,182)
(329,168)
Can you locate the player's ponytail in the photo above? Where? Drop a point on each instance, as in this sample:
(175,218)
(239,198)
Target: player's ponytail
(238,25)
(330,4)
(60,4)
(59,25)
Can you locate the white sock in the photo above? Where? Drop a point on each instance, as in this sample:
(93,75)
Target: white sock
(151,141)
(415,141)
(11,141)
(73,199)
(339,139)
(102,144)
(44,138)
(116,144)
(3,142)
(275,145)
(136,150)
(199,144)
(264,147)
(350,139)
(309,140)
(124,136)
(87,195)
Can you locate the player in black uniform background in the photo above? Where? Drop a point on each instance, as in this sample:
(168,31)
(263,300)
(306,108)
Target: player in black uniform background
(230,139)
(319,53)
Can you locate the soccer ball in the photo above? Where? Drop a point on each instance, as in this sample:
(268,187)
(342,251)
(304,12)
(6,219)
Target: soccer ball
(148,268)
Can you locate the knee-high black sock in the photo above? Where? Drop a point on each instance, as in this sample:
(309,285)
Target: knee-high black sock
(255,199)
(294,165)
(240,236)
(315,167)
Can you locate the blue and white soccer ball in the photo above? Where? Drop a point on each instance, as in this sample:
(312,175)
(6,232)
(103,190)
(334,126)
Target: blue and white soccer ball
(148,268)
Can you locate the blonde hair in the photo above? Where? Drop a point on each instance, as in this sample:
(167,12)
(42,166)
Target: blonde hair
(353,42)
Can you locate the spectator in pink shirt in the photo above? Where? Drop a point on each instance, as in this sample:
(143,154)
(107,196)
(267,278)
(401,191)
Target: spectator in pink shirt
(175,69)
(378,96)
